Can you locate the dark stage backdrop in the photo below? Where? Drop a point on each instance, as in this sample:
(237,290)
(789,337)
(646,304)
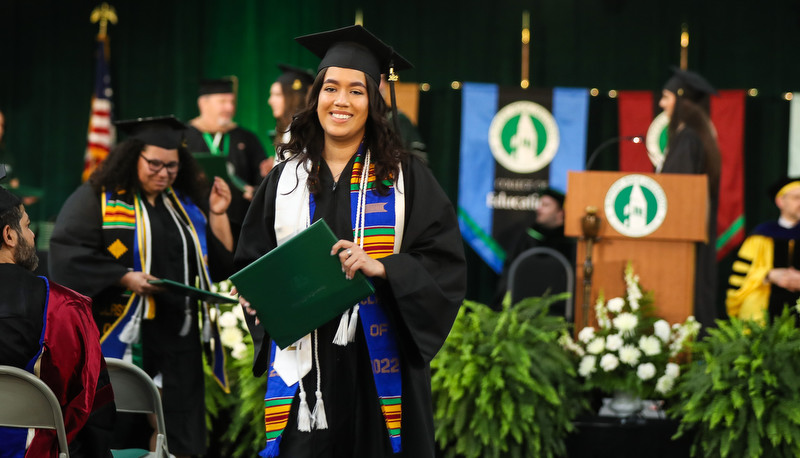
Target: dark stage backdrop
(160,48)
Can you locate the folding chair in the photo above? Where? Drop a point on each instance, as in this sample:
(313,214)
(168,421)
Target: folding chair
(135,392)
(539,270)
(29,403)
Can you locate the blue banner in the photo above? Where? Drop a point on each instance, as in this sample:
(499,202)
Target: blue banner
(514,143)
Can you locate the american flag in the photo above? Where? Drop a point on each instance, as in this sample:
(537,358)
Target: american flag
(101,131)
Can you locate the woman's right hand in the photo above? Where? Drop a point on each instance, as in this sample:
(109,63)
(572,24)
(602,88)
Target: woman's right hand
(137,282)
(246,305)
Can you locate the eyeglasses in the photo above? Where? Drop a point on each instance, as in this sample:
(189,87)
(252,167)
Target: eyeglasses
(156,165)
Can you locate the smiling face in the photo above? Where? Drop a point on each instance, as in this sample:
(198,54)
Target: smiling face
(276,100)
(155,182)
(343,105)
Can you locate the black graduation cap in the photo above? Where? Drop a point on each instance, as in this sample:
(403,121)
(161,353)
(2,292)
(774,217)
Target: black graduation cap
(164,131)
(778,186)
(688,84)
(299,79)
(216,86)
(356,48)
(555,194)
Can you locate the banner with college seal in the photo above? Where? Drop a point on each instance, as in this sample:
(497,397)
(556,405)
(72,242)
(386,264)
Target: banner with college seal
(514,142)
(639,114)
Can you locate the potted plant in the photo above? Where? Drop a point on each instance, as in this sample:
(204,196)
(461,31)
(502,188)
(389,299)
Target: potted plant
(741,395)
(632,354)
(233,418)
(502,385)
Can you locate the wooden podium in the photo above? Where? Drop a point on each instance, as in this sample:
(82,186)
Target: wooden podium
(664,259)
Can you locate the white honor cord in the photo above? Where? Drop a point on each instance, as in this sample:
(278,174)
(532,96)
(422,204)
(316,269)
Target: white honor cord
(362,202)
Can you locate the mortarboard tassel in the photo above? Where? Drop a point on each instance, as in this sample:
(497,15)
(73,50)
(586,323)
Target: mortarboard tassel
(392,78)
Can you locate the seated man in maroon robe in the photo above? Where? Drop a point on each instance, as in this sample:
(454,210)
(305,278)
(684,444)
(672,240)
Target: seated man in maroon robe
(48,330)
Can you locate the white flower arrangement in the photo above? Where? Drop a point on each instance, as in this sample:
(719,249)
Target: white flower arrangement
(233,333)
(630,350)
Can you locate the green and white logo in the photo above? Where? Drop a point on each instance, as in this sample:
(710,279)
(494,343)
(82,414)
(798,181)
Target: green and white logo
(656,139)
(635,205)
(523,137)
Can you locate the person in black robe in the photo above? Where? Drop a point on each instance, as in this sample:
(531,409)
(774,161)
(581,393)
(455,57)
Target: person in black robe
(547,230)
(214,131)
(94,251)
(692,148)
(43,329)
(420,287)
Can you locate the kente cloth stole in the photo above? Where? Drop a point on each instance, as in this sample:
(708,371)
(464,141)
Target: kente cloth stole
(383,223)
(125,231)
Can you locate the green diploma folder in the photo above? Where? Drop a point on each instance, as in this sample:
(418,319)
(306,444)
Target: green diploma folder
(299,286)
(194,293)
(217,166)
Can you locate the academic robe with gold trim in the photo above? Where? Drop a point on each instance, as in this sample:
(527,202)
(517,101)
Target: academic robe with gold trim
(749,295)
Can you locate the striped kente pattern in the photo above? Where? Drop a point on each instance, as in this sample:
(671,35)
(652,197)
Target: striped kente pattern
(119,215)
(378,240)
(276,416)
(392,413)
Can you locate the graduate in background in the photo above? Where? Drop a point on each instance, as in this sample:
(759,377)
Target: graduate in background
(143,216)
(367,392)
(692,148)
(287,96)
(765,275)
(214,131)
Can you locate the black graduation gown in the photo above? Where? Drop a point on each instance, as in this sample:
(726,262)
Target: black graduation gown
(687,155)
(424,288)
(245,154)
(79,260)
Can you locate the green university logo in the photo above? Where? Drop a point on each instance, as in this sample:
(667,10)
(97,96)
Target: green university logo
(656,139)
(635,205)
(523,137)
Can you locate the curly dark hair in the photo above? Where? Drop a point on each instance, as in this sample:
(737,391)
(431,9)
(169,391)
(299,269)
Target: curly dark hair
(308,138)
(119,171)
(693,115)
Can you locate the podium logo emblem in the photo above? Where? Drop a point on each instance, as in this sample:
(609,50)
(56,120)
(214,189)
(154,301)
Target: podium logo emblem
(656,139)
(635,205)
(523,137)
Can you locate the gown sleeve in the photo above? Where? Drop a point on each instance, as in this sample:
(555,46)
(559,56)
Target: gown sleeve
(78,259)
(427,279)
(748,292)
(257,237)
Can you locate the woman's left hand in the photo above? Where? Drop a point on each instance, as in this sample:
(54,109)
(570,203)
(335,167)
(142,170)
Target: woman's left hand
(353,259)
(220,197)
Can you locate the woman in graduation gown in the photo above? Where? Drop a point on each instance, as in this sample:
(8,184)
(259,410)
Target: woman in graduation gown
(137,220)
(692,148)
(368,387)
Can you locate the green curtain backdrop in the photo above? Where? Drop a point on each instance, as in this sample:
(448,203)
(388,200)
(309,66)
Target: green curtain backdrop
(160,49)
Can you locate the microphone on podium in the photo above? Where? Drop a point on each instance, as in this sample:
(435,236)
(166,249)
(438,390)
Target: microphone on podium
(611,141)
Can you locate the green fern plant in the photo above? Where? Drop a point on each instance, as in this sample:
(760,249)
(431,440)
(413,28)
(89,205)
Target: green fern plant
(741,395)
(503,385)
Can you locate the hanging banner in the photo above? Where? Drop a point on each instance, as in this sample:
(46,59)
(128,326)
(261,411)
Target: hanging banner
(639,112)
(514,143)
